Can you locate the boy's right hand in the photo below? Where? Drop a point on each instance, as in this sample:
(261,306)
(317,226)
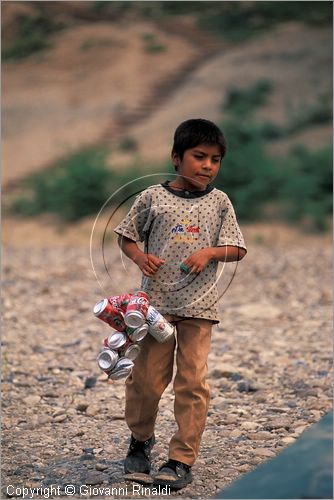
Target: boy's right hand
(148,263)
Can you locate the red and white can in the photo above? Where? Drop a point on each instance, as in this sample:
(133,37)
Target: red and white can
(110,313)
(122,301)
(136,310)
(158,326)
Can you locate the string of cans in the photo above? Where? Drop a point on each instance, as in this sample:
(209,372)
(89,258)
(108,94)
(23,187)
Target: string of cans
(133,317)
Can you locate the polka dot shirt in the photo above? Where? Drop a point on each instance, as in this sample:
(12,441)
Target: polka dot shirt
(173,225)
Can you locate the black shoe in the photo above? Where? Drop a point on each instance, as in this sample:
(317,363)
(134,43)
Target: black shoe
(138,458)
(174,474)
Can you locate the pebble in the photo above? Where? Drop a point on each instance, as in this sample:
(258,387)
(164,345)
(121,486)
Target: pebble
(60,418)
(253,350)
(32,400)
(248,426)
(263,452)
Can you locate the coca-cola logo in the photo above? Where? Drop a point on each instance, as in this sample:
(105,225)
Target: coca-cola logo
(139,300)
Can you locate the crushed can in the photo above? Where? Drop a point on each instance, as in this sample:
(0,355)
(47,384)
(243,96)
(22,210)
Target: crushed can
(122,369)
(107,359)
(137,309)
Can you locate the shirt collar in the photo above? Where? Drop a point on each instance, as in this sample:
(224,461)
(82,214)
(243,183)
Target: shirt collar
(184,193)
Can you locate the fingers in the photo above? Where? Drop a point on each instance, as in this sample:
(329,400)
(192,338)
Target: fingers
(152,265)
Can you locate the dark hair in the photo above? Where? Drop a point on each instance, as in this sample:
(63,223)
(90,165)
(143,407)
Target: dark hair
(197,131)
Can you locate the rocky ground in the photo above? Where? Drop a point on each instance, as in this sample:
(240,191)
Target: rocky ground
(63,424)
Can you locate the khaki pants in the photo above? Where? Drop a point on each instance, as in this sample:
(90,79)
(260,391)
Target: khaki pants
(152,372)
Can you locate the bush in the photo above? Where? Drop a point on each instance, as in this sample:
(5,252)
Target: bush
(243,101)
(75,187)
(248,174)
(238,21)
(307,192)
(32,35)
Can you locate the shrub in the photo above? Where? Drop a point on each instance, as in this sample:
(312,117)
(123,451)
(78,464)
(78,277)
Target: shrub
(307,192)
(242,101)
(32,35)
(77,186)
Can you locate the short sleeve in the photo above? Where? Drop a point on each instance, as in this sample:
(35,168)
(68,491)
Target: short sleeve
(230,233)
(137,221)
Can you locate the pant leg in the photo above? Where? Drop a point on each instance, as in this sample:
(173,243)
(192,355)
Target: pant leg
(152,372)
(192,392)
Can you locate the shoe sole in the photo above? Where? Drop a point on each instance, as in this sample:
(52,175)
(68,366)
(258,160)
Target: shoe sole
(178,484)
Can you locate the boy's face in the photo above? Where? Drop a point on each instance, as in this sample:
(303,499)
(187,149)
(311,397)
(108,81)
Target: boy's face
(198,167)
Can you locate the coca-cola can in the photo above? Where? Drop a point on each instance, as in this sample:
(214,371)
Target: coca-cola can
(107,359)
(122,369)
(122,301)
(137,334)
(110,313)
(136,310)
(158,326)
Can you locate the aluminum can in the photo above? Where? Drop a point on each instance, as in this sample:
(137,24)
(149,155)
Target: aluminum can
(107,359)
(122,301)
(122,369)
(130,352)
(137,334)
(120,343)
(158,326)
(110,313)
(136,310)
(117,340)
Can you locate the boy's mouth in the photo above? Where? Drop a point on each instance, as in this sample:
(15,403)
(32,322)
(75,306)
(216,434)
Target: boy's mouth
(204,176)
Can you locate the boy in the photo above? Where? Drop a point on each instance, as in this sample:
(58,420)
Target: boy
(188,223)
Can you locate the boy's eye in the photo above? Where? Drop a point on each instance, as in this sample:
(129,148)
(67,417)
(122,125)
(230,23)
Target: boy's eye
(199,157)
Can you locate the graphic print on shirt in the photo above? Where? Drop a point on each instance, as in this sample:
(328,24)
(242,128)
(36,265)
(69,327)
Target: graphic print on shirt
(187,229)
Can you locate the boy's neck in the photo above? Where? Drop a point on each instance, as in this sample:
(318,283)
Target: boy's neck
(182,184)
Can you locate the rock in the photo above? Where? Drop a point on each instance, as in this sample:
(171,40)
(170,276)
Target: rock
(263,452)
(236,433)
(60,418)
(261,436)
(92,410)
(246,386)
(32,400)
(101,467)
(82,406)
(249,426)
(223,370)
(59,411)
(288,440)
(90,382)
(278,423)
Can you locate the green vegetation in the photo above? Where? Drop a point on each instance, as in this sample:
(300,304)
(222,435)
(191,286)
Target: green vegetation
(243,101)
(78,186)
(33,35)
(151,45)
(297,187)
(75,187)
(238,21)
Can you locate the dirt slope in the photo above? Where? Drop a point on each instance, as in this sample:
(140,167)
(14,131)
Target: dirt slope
(97,75)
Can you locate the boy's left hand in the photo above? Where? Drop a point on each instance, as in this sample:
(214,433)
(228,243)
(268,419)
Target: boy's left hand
(198,261)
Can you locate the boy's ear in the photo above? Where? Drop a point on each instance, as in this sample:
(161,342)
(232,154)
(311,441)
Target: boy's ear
(175,159)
